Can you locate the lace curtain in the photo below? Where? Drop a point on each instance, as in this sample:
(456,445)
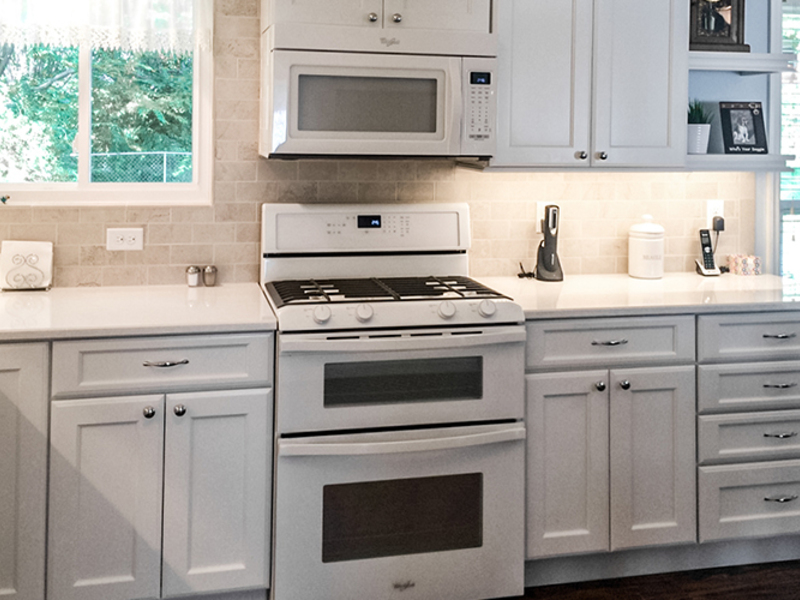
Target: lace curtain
(159,25)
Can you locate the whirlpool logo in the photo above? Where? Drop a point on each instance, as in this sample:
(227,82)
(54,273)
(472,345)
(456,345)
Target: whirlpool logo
(389,42)
(402,586)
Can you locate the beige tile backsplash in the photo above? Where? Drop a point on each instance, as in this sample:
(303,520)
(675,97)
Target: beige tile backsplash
(597,208)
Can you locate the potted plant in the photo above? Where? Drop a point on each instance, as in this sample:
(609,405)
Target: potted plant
(699,128)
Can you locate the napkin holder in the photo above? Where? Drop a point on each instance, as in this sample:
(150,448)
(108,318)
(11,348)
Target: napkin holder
(26,265)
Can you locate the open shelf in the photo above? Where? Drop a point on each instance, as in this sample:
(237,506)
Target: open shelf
(733,162)
(743,63)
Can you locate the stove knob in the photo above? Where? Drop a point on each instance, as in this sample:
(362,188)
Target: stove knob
(364,312)
(487,308)
(322,314)
(447,310)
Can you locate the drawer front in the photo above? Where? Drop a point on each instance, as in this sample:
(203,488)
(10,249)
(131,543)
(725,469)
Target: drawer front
(609,342)
(749,436)
(751,336)
(749,500)
(748,386)
(161,364)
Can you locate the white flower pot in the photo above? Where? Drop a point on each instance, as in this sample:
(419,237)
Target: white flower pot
(697,138)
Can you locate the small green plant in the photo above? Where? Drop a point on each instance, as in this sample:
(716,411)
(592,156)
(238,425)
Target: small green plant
(698,113)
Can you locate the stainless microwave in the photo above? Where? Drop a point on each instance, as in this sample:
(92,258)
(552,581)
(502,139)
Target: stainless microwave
(317,103)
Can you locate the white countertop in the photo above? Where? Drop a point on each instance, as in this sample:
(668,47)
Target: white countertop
(137,310)
(619,295)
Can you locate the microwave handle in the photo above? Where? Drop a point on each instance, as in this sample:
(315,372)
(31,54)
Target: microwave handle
(323,448)
(367,344)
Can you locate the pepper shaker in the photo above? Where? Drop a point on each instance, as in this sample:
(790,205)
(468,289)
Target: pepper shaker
(210,275)
(193,276)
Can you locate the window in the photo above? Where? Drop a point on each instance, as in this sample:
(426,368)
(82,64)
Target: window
(107,123)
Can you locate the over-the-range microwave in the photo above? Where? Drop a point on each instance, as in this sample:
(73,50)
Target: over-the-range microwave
(323,102)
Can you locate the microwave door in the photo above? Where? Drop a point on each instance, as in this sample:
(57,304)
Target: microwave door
(365,104)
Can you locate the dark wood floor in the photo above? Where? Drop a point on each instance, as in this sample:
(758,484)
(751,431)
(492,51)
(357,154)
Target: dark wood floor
(776,581)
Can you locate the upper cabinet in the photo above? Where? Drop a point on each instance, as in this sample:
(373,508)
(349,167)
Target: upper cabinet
(592,83)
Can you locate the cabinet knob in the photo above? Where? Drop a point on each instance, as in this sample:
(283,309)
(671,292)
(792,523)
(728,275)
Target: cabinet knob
(602,155)
(373,17)
(601,386)
(397,17)
(625,384)
(149,412)
(179,410)
(582,155)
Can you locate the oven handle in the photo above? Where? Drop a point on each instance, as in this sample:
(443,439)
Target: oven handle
(405,342)
(344,448)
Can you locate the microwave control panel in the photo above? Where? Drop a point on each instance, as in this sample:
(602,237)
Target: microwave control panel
(480,106)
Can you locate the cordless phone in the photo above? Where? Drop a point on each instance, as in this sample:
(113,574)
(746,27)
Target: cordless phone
(705,264)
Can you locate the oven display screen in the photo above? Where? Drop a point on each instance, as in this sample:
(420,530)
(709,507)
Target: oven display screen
(369,221)
(480,78)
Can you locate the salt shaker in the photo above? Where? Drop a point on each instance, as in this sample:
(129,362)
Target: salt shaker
(193,276)
(210,275)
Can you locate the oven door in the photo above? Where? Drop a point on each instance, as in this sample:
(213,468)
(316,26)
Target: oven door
(428,513)
(354,104)
(389,378)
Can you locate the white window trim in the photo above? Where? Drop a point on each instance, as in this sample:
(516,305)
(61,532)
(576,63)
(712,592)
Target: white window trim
(85,193)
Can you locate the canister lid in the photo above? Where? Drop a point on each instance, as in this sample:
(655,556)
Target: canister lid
(647,230)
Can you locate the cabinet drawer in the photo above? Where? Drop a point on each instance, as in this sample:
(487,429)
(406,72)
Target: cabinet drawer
(749,500)
(609,342)
(751,336)
(161,364)
(749,436)
(748,386)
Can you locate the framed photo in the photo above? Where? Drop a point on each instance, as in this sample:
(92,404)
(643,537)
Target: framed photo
(743,127)
(717,26)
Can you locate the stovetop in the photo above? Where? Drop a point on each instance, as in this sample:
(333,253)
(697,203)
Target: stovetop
(374,289)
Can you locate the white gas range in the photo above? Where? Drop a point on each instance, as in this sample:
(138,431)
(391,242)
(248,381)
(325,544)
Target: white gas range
(399,405)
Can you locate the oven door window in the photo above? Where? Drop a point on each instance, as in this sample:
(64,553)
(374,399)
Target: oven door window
(403,381)
(402,516)
(358,105)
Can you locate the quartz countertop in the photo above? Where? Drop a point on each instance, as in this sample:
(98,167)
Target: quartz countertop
(621,295)
(136,310)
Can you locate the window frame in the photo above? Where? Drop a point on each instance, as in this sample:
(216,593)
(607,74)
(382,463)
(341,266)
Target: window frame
(86,193)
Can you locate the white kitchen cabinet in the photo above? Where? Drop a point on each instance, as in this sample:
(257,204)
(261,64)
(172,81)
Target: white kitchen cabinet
(110,460)
(599,83)
(610,460)
(23,469)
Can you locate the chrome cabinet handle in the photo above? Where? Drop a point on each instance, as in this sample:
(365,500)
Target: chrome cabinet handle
(166,364)
(602,155)
(782,435)
(779,336)
(372,17)
(625,384)
(397,17)
(601,386)
(781,499)
(621,342)
(149,412)
(780,386)
(179,410)
(582,155)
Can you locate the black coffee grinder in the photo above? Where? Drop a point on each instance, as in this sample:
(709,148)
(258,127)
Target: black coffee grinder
(548,267)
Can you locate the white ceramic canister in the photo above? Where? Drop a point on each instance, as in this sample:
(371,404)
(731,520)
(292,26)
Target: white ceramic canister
(646,249)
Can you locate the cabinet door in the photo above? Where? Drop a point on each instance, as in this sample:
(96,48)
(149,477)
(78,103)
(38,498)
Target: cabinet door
(326,12)
(652,428)
(641,82)
(567,463)
(544,82)
(217,473)
(106,462)
(23,469)
(446,15)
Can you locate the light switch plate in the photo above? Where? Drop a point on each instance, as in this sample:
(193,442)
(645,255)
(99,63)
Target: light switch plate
(125,238)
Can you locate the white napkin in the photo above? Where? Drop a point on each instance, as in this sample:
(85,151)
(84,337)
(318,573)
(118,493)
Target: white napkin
(26,265)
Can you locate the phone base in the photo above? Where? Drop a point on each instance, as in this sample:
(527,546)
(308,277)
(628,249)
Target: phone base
(698,265)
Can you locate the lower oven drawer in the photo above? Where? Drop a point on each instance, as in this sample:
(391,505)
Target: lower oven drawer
(433,513)
(749,500)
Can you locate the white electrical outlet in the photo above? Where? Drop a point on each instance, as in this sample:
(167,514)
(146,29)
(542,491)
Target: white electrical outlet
(540,206)
(125,238)
(714,208)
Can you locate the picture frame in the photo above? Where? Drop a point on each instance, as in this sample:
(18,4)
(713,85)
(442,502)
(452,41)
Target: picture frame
(717,26)
(743,128)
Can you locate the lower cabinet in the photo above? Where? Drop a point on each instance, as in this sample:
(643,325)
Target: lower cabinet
(23,469)
(159,495)
(611,460)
